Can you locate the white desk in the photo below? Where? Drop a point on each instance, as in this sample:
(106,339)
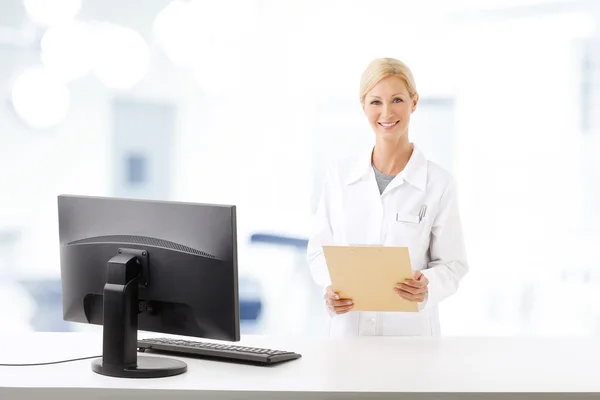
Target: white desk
(360,368)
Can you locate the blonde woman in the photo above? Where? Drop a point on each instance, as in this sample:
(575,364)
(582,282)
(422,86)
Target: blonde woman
(391,195)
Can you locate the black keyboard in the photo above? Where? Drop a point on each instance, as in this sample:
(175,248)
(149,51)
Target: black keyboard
(216,351)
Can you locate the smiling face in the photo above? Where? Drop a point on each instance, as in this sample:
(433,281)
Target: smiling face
(388,107)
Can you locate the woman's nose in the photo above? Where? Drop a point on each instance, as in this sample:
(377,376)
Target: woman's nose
(387,111)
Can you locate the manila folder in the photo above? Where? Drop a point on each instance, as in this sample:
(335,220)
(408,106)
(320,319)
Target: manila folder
(368,276)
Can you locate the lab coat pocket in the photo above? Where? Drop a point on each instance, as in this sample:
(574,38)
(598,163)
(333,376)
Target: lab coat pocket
(407,218)
(406,324)
(408,230)
(344,324)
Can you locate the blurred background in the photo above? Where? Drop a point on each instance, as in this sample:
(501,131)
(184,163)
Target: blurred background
(245,102)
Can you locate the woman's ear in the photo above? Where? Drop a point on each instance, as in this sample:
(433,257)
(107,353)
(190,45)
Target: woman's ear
(415,100)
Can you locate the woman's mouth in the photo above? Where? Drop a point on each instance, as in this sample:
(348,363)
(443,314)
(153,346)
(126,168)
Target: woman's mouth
(388,125)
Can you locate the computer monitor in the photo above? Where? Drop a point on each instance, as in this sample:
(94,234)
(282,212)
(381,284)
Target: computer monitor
(159,266)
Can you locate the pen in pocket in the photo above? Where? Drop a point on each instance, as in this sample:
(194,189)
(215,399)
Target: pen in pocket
(422,212)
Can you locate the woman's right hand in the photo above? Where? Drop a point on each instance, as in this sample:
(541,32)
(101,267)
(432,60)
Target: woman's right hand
(335,304)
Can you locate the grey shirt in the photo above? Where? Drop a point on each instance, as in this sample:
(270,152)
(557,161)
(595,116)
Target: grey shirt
(382,179)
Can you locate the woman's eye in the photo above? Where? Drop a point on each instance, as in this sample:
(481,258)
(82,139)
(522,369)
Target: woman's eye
(398,100)
(375,102)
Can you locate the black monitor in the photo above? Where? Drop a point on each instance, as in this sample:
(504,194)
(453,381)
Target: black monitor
(159,266)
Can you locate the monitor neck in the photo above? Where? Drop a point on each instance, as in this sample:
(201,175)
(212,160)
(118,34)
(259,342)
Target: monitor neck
(120,321)
(125,272)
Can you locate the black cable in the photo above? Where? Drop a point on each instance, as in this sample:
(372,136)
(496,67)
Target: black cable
(48,363)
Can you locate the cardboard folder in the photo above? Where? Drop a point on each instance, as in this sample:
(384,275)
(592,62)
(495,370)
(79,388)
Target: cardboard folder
(368,276)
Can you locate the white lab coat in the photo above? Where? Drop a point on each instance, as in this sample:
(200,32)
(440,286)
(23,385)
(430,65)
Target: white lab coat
(352,211)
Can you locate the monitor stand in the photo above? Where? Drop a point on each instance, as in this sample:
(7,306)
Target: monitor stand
(127,270)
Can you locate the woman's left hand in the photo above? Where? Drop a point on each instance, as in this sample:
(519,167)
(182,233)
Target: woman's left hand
(414,289)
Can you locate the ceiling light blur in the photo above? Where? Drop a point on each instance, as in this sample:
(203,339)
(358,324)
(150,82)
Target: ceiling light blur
(66,50)
(121,56)
(40,99)
(51,12)
(188,30)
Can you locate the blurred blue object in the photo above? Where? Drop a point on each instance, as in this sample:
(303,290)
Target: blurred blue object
(47,295)
(250,300)
(299,243)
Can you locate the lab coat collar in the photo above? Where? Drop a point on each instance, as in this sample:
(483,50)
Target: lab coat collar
(414,173)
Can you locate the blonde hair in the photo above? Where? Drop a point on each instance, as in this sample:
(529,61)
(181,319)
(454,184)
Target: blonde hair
(382,68)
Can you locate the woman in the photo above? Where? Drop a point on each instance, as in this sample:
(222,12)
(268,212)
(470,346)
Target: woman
(393,196)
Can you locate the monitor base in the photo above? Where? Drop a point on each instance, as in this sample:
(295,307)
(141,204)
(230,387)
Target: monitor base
(147,367)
